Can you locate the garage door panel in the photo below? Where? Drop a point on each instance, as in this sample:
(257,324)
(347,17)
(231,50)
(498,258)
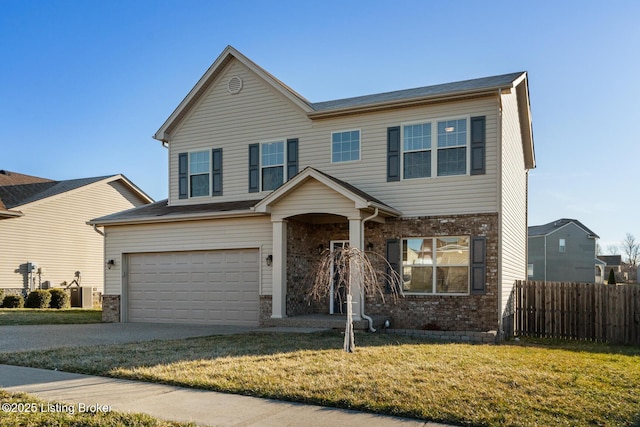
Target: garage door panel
(210,287)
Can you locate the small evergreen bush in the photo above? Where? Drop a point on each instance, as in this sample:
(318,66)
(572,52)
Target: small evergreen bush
(1,296)
(13,301)
(612,277)
(38,299)
(59,298)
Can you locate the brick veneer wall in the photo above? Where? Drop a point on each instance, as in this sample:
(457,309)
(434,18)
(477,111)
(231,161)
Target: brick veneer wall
(303,240)
(111,308)
(417,312)
(265,309)
(439,312)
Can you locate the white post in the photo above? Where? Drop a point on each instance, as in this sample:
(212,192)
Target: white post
(355,241)
(279,294)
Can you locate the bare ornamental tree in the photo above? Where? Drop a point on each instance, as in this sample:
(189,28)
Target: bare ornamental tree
(631,249)
(349,269)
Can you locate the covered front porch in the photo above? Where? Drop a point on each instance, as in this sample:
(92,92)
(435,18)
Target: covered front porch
(310,214)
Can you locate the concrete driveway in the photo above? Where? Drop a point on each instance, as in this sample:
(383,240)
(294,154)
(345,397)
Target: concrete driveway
(41,337)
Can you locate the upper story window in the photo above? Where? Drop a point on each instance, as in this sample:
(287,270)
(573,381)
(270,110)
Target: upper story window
(200,173)
(449,157)
(435,265)
(562,246)
(345,146)
(199,168)
(416,146)
(272,165)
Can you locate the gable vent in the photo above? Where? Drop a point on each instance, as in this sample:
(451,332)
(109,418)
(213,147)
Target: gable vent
(234,85)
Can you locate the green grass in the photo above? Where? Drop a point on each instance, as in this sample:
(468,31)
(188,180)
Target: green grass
(25,410)
(32,316)
(528,383)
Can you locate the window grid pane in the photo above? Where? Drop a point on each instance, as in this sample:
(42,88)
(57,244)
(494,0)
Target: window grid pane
(199,162)
(417,137)
(452,133)
(272,178)
(273,153)
(417,164)
(345,146)
(452,161)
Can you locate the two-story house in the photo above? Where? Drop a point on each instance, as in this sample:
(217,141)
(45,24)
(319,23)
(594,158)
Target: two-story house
(564,251)
(261,180)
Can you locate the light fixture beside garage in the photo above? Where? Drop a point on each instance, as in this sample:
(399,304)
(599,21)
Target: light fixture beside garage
(269,260)
(110,263)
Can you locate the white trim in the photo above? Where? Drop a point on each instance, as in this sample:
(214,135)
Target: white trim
(359,130)
(434,146)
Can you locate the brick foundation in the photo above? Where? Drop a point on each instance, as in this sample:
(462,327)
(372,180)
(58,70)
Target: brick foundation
(111,308)
(265,309)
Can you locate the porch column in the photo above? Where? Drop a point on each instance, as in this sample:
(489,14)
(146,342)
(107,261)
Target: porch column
(355,241)
(279,282)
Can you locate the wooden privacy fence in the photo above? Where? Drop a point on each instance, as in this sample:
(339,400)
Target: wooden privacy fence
(583,311)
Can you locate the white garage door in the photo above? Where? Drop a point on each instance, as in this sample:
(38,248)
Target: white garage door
(207,287)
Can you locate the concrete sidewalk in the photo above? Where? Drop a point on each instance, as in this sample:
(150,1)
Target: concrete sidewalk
(204,408)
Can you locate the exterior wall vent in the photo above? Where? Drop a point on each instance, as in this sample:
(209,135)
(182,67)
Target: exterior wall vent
(234,85)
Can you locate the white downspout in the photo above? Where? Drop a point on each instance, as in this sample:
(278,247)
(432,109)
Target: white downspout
(364,316)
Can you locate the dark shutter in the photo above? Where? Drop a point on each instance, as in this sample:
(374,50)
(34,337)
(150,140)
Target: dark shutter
(478,264)
(216,171)
(393,153)
(292,158)
(394,259)
(254,165)
(478,142)
(183,159)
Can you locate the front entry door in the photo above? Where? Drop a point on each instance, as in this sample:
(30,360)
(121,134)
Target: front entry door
(338,295)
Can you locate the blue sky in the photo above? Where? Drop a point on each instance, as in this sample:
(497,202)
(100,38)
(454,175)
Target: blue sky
(84,84)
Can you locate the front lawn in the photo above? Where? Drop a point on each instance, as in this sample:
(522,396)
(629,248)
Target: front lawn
(526,383)
(48,316)
(19,409)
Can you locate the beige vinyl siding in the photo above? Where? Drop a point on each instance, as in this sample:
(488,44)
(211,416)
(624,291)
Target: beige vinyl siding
(259,113)
(53,234)
(236,233)
(514,200)
(314,197)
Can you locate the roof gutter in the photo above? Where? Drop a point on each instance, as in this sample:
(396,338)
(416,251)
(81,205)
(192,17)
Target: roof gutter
(411,102)
(175,218)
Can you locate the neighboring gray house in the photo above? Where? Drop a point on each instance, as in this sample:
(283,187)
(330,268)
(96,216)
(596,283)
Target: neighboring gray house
(563,251)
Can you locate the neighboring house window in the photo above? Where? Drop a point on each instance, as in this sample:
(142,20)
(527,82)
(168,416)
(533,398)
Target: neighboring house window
(562,246)
(449,158)
(272,165)
(530,270)
(435,265)
(345,146)
(199,178)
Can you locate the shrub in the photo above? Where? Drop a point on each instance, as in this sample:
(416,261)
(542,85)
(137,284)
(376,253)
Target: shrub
(59,298)
(38,299)
(1,296)
(612,277)
(13,301)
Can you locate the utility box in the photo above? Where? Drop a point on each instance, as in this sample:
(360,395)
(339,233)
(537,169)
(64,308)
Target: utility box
(82,297)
